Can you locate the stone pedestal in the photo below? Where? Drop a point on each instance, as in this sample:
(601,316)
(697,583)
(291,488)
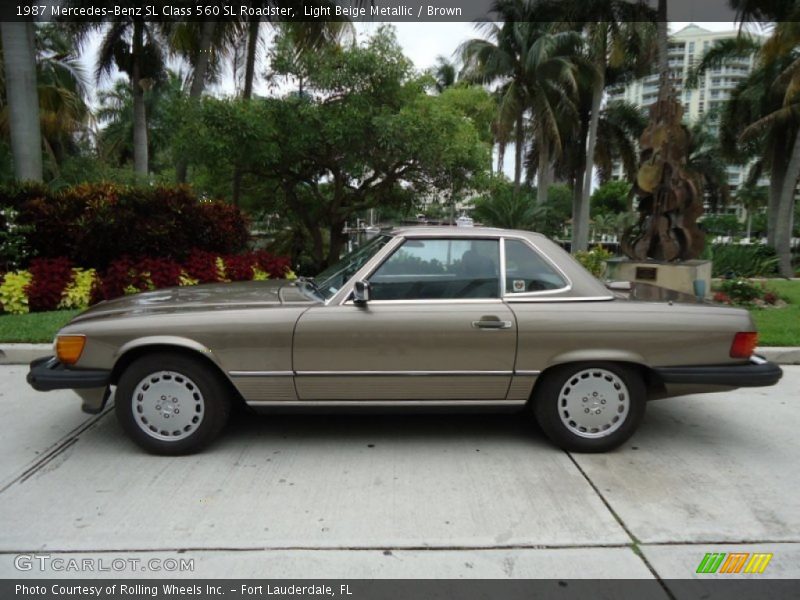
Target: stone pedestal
(692,277)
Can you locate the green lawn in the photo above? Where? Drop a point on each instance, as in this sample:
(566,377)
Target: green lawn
(33,327)
(780,326)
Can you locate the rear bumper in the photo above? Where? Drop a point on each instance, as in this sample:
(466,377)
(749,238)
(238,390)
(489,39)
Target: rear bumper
(758,373)
(48,374)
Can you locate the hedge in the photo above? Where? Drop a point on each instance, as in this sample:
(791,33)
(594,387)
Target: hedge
(55,283)
(93,225)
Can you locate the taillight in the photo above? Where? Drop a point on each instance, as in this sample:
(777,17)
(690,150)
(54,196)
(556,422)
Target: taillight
(744,344)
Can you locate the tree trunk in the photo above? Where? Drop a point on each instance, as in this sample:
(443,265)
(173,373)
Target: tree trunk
(198,82)
(519,143)
(577,198)
(247,93)
(23,99)
(250,60)
(542,182)
(140,160)
(777,176)
(501,156)
(338,240)
(785,216)
(580,218)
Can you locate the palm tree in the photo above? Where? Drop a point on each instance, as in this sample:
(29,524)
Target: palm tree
(22,98)
(534,65)
(619,43)
(753,198)
(61,90)
(444,73)
(115,114)
(706,158)
(762,118)
(137,48)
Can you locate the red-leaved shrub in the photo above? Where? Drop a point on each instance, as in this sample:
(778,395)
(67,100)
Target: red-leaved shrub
(276,266)
(240,267)
(95,224)
(163,272)
(202,266)
(50,277)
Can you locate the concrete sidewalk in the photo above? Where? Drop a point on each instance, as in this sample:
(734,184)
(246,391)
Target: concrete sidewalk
(406,496)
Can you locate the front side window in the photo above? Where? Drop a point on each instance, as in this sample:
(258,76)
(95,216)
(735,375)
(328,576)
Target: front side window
(327,283)
(442,269)
(527,271)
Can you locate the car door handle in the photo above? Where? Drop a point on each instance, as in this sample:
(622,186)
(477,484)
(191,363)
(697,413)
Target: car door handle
(491,322)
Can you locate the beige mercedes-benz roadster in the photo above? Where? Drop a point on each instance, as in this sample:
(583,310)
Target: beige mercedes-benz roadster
(418,317)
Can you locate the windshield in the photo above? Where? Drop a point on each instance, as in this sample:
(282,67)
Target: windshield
(330,281)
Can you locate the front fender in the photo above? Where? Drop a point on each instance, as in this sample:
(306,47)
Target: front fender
(165,340)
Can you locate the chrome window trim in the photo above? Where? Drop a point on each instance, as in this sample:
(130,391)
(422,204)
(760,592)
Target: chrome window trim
(346,291)
(543,255)
(523,299)
(434,301)
(368,270)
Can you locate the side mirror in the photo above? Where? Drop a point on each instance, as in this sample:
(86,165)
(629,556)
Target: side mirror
(361,292)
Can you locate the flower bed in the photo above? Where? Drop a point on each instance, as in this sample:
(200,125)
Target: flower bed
(746,293)
(55,283)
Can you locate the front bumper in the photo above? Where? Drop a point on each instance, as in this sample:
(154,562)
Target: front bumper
(48,374)
(757,373)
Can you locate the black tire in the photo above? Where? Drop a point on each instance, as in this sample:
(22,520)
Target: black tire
(198,378)
(549,405)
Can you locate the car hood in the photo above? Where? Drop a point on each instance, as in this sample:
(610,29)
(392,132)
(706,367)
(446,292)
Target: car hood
(214,296)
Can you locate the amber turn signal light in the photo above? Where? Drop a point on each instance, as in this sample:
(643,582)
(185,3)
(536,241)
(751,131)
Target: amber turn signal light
(69,348)
(744,344)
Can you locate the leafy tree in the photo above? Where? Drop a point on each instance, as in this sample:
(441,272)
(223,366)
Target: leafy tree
(363,134)
(611,198)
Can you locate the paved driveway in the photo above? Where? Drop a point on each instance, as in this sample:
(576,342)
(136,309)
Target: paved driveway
(407,496)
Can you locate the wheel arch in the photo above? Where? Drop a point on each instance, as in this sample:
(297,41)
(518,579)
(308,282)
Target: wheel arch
(142,347)
(652,382)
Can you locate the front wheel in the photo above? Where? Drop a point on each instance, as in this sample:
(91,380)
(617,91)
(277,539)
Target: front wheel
(171,404)
(590,407)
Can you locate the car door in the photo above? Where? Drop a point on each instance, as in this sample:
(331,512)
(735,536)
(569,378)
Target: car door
(435,329)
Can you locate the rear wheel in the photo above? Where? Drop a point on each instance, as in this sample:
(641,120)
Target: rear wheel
(171,404)
(590,407)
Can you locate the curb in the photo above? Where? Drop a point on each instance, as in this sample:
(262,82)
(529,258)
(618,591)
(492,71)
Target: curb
(782,355)
(22,354)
